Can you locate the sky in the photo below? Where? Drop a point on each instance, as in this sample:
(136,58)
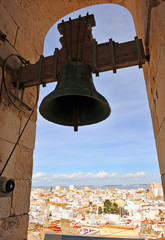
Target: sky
(118,150)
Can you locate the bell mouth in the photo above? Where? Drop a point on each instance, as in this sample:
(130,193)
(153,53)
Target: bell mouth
(61,109)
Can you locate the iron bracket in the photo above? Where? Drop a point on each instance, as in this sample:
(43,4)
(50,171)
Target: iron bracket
(55,63)
(138,51)
(94,50)
(39,72)
(112,56)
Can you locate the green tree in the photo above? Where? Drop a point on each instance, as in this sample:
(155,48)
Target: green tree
(115,208)
(110,207)
(107,206)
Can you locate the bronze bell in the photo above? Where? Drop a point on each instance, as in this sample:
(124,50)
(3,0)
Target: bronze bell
(75,101)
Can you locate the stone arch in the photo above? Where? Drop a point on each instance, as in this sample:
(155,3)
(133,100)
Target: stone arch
(25,24)
(72,6)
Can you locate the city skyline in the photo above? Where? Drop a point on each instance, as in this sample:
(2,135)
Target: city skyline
(120,149)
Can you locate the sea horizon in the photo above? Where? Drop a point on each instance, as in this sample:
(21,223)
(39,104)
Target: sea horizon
(119,186)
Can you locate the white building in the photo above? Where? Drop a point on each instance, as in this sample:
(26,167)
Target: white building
(156,189)
(72,187)
(59,188)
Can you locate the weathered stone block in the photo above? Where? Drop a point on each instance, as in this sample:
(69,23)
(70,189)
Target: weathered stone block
(72,5)
(20,18)
(20,1)
(35,18)
(85,3)
(161,11)
(14,228)
(60,11)
(160,144)
(9,124)
(29,28)
(161,21)
(5,150)
(39,44)
(21,162)
(38,30)
(30,96)
(23,45)
(154,41)
(151,101)
(47,11)
(34,116)
(7,25)
(5,205)
(21,197)
(160,87)
(28,138)
(157,31)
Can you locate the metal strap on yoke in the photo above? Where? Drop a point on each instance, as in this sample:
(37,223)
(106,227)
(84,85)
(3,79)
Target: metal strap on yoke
(39,73)
(94,43)
(55,63)
(138,52)
(65,40)
(78,33)
(70,25)
(112,57)
(84,35)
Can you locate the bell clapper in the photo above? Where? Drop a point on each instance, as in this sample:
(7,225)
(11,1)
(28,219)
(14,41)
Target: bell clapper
(75,128)
(75,116)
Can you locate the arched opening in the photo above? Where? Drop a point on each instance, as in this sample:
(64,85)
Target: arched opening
(121,147)
(120,150)
(26,24)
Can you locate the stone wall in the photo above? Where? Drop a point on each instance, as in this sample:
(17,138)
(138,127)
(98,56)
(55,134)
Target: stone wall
(156,82)
(14,210)
(26,22)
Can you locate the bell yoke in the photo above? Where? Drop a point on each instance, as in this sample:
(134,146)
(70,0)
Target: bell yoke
(75,101)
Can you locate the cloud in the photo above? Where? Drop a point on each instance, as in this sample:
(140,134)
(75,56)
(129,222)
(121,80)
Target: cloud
(135,175)
(81,178)
(41,177)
